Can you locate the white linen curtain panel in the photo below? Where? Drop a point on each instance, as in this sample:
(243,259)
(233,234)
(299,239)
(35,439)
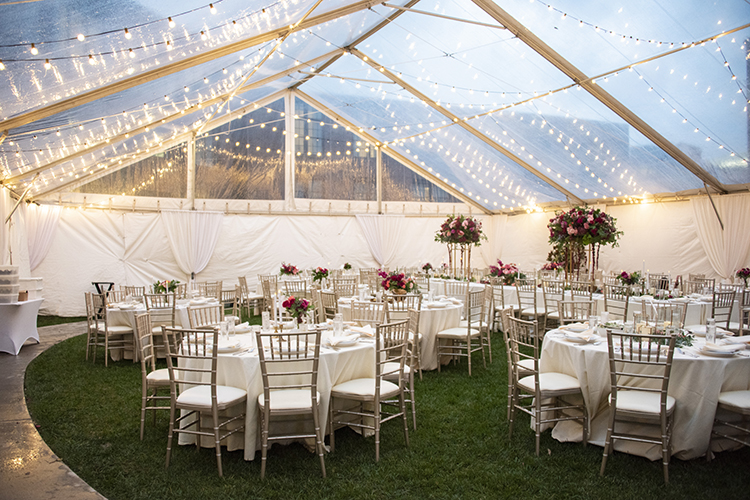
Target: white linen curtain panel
(727,250)
(41,225)
(192,236)
(382,233)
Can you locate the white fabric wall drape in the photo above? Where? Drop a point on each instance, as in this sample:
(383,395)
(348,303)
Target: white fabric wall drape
(382,233)
(727,249)
(490,250)
(41,225)
(192,236)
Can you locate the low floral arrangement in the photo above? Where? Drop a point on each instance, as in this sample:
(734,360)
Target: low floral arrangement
(743,274)
(297,308)
(459,229)
(552,266)
(683,338)
(427,268)
(507,272)
(165,286)
(398,281)
(347,266)
(319,273)
(633,278)
(288,270)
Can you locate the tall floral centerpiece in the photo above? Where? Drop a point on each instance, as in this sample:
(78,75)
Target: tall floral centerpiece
(460,233)
(744,275)
(297,308)
(582,227)
(166,286)
(288,270)
(398,283)
(427,268)
(632,280)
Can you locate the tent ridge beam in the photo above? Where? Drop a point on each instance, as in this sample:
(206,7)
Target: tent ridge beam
(463,124)
(167,119)
(572,72)
(396,155)
(177,66)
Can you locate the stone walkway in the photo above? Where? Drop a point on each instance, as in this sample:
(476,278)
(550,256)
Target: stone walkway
(28,468)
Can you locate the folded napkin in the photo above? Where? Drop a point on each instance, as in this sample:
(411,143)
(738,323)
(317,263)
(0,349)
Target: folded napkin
(745,339)
(365,331)
(574,326)
(585,336)
(346,339)
(724,349)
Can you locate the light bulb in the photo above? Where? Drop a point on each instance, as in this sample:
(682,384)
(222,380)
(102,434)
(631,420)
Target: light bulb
(81,37)
(213,9)
(2,66)
(47,64)
(203,36)
(92,61)
(205,80)
(127,34)
(171,23)
(131,53)
(169,45)
(224,70)
(34,50)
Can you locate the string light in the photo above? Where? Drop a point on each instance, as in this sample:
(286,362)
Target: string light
(47,64)
(212,8)
(81,37)
(171,23)
(127,34)
(34,50)
(2,66)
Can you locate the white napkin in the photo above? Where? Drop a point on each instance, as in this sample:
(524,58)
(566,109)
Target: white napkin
(365,331)
(346,339)
(585,336)
(745,339)
(724,349)
(574,326)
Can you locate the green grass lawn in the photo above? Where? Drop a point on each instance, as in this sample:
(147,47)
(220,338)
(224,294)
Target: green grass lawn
(57,320)
(90,416)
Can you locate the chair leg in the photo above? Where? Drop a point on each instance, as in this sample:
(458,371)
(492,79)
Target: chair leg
(537,420)
(264,442)
(331,435)
(144,397)
(377,431)
(171,433)
(468,353)
(217,441)
(512,410)
(608,440)
(413,398)
(402,403)
(319,437)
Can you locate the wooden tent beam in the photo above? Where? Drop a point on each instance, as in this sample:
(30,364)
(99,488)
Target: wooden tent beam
(177,66)
(572,72)
(465,125)
(169,118)
(395,154)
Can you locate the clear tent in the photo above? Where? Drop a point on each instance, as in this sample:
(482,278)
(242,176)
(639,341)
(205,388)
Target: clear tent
(506,104)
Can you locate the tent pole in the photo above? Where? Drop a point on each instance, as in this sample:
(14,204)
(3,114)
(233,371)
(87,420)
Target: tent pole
(716,211)
(379,178)
(20,198)
(289,153)
(191,171)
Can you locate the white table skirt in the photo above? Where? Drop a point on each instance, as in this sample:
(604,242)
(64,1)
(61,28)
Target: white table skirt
(695,383)
(243,371)
(431,322)
(126,317)
(18,324)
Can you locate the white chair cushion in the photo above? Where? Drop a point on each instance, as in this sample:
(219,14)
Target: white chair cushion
(735,326)
(553,315)
(456,333)
(539,311)
(527,364)
(117,329)
(550,382)
(290,399)
(641,402)
(736,399)
(393,367)
(201,396)
(159,377)
(364,388)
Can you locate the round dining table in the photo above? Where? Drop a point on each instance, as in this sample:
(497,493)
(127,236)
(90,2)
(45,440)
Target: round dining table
(696,382)
(434,317)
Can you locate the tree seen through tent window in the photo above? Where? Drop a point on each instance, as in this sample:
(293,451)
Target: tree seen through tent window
(161,175)
(243,159)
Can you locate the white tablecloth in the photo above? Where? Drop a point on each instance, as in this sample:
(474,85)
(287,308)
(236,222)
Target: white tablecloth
(243,371)
(431,321)
(695,383)
(18,324)
(126,317)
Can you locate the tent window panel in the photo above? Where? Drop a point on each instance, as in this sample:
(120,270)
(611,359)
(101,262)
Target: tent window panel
(330,162)
(163,175)
(403,184)
(243,159)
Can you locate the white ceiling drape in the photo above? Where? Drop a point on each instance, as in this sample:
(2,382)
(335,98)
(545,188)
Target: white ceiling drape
(192,236)
(41,226)
(382,233)
(727,249)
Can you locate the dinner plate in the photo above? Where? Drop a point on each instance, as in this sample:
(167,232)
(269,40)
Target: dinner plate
(126,307)
(570,337)
(576,328)
(718,354)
